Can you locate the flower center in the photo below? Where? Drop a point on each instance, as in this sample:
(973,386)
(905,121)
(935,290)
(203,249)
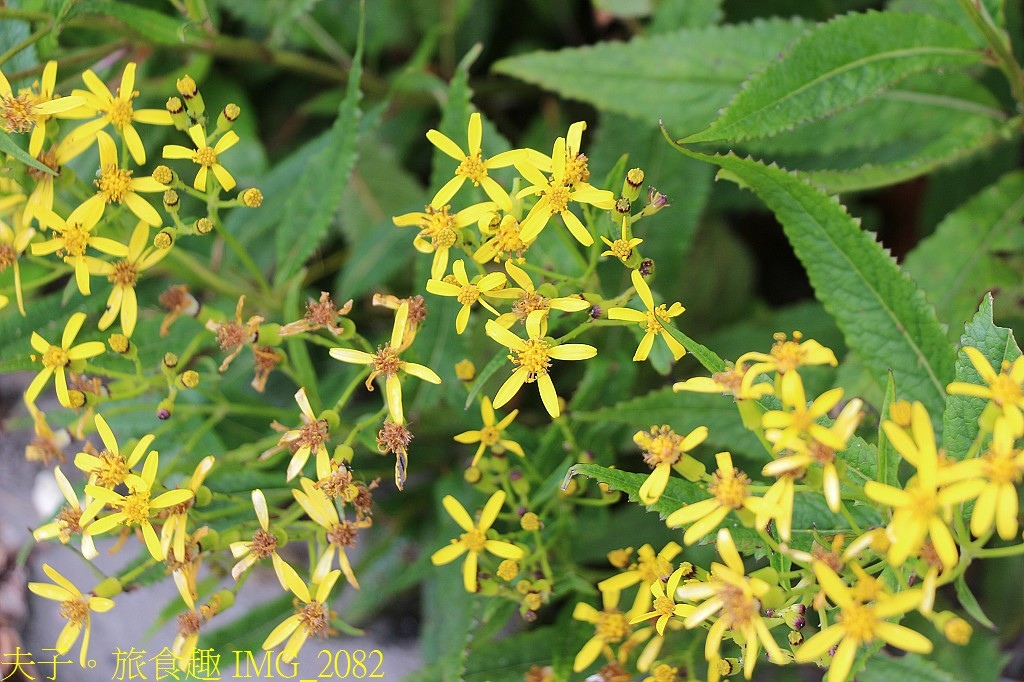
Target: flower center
(558,198)
(16,113)
(343,535)
(135,507)
(527,303)
(444,238)
(205,156)
(48,159)
(314,434)
(653,323)
(230,335)
(654,568)
(75,610)
(1002,468)
(111,470)
(188,623)
(535,358)
(124,274)
(621,249)
(55,356)
(1005,391)
(7,256)
(472,168)
(121,113)
(859,622)
(576,169)
(822,454)
(469,295)
(114,183)
(923,500)
(264,543)
(67,522)
(613,626)
(386,361)
(664,606)
(661,445)
(738,608)
(730,488)
(314,618)
(489,435)
(474,540)
(75,239)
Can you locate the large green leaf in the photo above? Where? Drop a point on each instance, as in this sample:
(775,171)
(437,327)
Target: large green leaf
(311,205)
(843,62)
(954,277)
(960,419)
(883,315)
(884,667)
(682,78)
(8,146)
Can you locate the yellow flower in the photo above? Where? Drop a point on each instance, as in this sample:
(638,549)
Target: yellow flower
(664,450)
(124,275)
(472,165)
(59,154)
(528,299)
(135,508)
(653,321)
(110,468)
(503,239)
(611,626)
(75,607)
(118,111)
(174,530)
(648,569)
(341,533)
(787,355)
(736,381)
(736,599)
(555,195)
(440,230)
(860,623)
(621,248)
(58,359)
(31,109)
(532,359)
(730,488)
(1005,390)
(386,361)
(115,185)
(474,541)
(12,245)
(1003,470)
(467,292)
(263,544)
(490,435)
(206,157)
(665,606)
(923,508)
(800,421)
(75,236)
(68,521)
(311,436)
(312,619)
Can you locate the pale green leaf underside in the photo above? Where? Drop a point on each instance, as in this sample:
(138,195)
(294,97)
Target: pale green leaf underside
(881,312)
(960,419)
(841,63)
(958,262)
(682,78)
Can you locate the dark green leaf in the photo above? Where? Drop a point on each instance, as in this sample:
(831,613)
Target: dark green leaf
(8,146)
(971,605)
(883,667)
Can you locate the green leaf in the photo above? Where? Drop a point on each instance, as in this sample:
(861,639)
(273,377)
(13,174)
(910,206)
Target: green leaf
(310,207)
(882,314)
(841,63)
(888,458)
(954,279)
(953,12)
(971,605)
(683,411)
(960,420)
(8,146)
(152,26)
(683,77)
(883,667)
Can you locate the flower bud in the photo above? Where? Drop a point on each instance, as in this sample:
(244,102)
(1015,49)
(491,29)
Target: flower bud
(164,239)
(189,378)
(194,104)
(465,370)
(204,226)
(178,115)
(631,185)
(110,587)
(252,198)
(119,343)
(172,202)
(227,117)
(163,175)
(530,522)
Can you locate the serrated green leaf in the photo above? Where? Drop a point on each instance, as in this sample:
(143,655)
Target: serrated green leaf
(310,207)
(971,605)
(883,667)
(682,77)
(960,419)
(841,63)
(881,312)
(683,411)
(954,279)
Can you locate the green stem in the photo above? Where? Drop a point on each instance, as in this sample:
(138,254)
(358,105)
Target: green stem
(999,43)
(998,552)
(32,39)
